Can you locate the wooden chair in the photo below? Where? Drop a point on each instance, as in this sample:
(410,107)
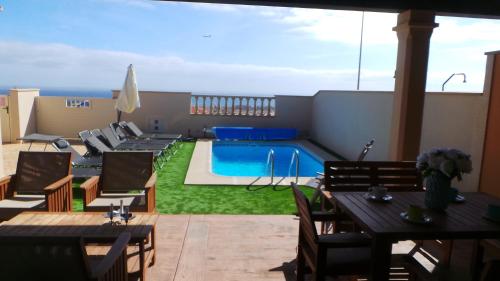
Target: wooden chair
(61,259)
(360,175)
(43,182)
(331,254)
(318,183)
(486,261)
(123,174)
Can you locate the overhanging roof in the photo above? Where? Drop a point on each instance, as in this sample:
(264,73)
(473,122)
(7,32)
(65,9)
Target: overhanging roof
(466,8)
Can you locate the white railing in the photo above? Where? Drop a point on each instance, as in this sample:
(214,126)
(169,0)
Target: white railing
(77,103)
(233,106)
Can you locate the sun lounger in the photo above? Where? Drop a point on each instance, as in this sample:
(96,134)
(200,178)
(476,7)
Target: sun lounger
(133,130)
(99,148)
(83,166)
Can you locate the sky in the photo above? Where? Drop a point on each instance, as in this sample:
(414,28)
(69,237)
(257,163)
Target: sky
(223,49)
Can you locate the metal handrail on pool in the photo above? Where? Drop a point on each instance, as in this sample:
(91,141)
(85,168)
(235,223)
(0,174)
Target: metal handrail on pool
(270,156)
(296,154)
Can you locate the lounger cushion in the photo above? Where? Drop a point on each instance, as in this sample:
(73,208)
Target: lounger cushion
(114,198)
(24,202)
(61,143)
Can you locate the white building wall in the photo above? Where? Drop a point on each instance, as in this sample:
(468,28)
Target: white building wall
(344,121)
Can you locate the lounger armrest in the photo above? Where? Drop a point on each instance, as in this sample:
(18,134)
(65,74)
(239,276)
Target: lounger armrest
(116,259)
(4,186)
(90,190)
(345,240)
(58,184)
(6,179)
(151,193)
(59,195)
(88,184)
(151,183)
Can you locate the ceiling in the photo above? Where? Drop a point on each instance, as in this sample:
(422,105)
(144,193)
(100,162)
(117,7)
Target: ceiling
(466,8)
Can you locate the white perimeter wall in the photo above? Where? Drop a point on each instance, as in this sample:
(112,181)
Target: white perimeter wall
(345,121)
(171,109)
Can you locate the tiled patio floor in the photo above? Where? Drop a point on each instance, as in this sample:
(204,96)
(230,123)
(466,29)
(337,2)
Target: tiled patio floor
(240,248)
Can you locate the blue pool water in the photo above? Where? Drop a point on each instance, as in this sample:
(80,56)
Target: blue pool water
(242,158)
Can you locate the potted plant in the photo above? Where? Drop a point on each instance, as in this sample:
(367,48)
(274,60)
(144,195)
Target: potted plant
(439,167)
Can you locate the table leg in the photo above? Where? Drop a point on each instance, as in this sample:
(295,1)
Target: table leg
(142,269)
(153,242)
(477,259)
(381,259)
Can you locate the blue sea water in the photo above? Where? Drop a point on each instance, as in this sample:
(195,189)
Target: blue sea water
(69,93)
(243,158)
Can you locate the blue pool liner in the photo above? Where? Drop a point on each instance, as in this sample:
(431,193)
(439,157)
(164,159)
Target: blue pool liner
(251,133)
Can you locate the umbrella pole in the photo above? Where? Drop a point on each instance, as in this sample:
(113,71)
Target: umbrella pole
(119,115)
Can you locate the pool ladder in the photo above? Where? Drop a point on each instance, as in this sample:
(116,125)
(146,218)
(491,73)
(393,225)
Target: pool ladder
(295,155)
(270,160)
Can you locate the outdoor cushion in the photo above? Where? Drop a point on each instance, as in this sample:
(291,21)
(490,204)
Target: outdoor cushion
(61,143)
(128,200)
(24,202)
(347,260)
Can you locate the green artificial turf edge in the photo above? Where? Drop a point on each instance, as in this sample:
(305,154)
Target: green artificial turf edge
(174,197)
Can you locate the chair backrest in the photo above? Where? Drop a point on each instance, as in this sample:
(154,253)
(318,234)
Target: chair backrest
(98,134)
(118,131)
(365,150)
(84,134)
(125,171)
(63,145)
(132,128)
(308,234)
(113,139)
(96,146)
(360,175)
(36,170)
(30,258)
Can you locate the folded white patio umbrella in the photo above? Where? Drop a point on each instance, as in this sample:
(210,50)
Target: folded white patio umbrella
(128,99)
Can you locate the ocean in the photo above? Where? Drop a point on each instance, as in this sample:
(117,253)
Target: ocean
(69,93)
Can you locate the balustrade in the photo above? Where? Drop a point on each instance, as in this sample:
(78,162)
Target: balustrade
(233,106)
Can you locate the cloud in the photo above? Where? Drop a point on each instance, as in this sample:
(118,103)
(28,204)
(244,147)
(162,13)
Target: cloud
(459,31)
(64,66)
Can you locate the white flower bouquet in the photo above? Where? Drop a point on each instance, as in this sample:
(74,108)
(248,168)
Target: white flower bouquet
(451,162)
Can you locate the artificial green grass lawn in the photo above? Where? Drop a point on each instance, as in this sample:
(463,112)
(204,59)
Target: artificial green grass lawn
(174,197)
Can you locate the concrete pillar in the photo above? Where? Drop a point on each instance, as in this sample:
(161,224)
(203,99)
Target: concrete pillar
(414,29)
(490,176)
(22,112)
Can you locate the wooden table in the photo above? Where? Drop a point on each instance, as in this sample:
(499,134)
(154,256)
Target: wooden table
(88,225)
(383,222)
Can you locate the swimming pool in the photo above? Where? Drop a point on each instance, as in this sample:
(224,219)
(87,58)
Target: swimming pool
(246,158)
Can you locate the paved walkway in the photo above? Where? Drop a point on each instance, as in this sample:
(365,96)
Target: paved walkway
(240,248)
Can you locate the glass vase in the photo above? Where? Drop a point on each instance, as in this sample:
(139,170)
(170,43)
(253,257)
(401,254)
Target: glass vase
(437,194)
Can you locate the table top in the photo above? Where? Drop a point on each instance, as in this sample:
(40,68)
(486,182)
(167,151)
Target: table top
(40,138)
(94,225)
(460,221)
